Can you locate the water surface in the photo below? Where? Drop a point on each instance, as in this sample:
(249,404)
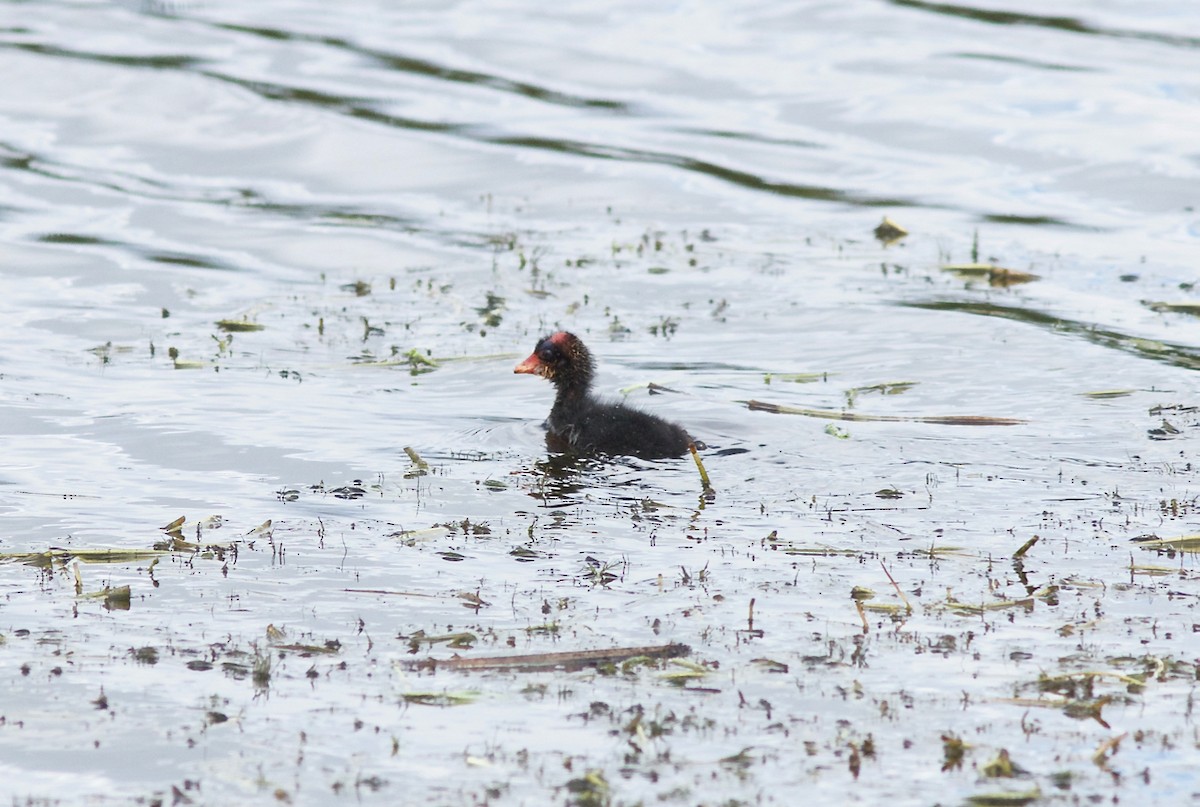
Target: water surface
(253,252)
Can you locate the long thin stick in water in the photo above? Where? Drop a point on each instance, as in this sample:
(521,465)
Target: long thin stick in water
(907,604)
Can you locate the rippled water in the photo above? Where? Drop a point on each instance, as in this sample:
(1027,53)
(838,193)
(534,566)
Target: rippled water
(253,252)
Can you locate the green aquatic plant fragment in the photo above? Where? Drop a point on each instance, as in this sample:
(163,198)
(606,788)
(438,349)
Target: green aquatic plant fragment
(1173,308)
(61,556)
(1183,543)
(1005,798)
(1105,394)
(114,598)
(796,378)
(997,276)
(239,325)
(442,699)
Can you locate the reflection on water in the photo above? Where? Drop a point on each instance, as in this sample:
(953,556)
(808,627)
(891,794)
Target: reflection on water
(273,263)
(1179,355)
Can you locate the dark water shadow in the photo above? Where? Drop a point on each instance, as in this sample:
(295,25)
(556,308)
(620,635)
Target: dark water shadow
(129,184)
(156,254)
(430,69)
(1171,353)
(1037,221)
(1068,24)
(362,109)
(749,137)
(153,254)
(732,176)
(367,109)
(1036,64)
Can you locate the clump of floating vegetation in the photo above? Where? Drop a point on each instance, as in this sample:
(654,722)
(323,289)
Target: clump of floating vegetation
(997,276)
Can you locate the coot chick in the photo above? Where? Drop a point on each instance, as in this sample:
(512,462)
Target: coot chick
(581,423)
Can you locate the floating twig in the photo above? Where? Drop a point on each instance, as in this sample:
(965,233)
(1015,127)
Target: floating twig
(829,414)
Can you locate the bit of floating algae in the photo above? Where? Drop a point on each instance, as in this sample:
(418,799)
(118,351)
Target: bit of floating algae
(1183,543)
(413,537)
(1173,308)
(944,551)
(796,378)
(239,325)
(889,232)
(116,598)
(62,556)
(884,388)
(442,699)
(419,466)
(684,672)
(1005,799)
(589,790)
(967,608)
(1105,394)
(1025,547)
(997,276)
(185,364)
(415,359)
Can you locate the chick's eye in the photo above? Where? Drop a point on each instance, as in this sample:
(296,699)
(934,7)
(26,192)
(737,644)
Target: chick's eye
(546,353)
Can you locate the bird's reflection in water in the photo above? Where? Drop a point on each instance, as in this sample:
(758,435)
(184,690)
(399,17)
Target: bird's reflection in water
(566,478)
(563,475)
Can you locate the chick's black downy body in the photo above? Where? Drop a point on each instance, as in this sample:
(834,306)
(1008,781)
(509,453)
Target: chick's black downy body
(581,423)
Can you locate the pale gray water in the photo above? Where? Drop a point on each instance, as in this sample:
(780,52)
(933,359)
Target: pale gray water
(693,190)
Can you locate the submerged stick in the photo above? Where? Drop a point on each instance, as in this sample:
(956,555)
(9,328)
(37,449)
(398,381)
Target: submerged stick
(570,660)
